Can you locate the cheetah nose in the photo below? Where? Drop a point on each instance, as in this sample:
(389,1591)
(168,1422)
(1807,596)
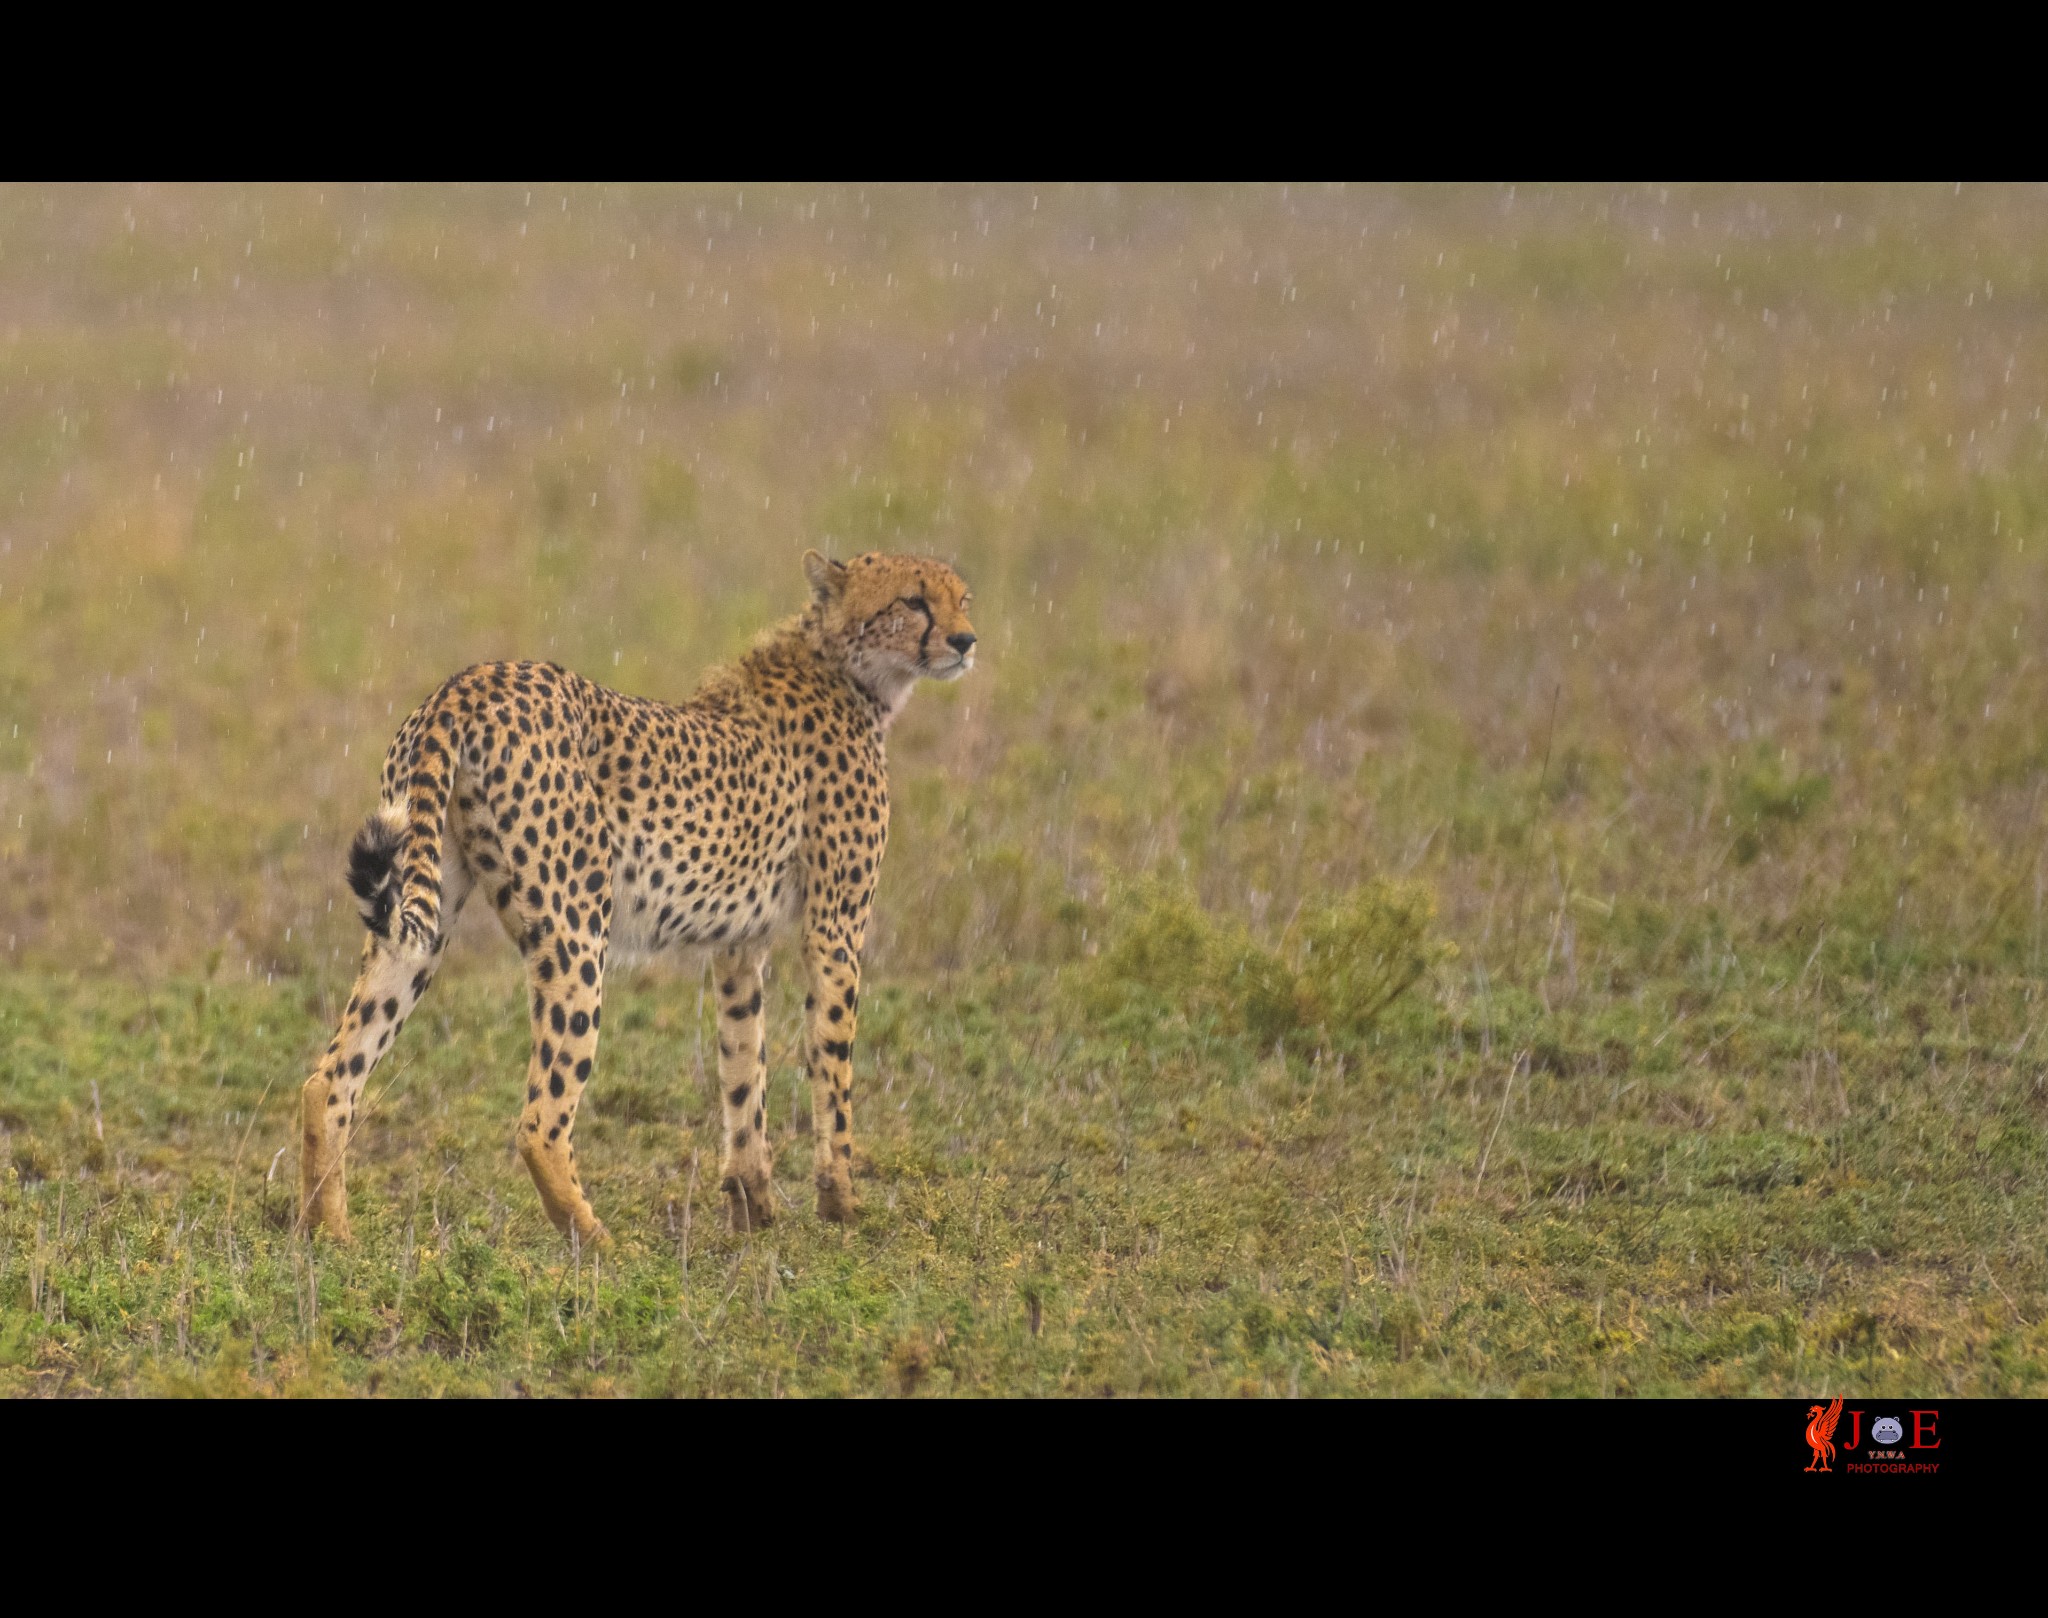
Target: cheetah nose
(962,643)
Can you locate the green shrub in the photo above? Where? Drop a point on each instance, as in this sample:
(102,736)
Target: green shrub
(1365,950)
(1267,995)
(1351,959)
(1162,941)
(1766,800)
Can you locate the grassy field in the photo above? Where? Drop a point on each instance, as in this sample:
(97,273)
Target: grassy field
(1619,610)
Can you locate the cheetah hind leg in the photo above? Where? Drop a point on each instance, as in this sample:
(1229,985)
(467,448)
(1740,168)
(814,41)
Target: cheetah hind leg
(565,1018)
(386,990)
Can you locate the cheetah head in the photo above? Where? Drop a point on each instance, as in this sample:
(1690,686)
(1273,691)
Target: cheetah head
(897,619)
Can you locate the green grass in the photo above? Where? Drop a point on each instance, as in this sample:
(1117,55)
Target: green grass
(1778,1190)
(1614,613)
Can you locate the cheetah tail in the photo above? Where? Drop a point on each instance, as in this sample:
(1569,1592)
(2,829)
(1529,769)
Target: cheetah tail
(373,867)
(426,823)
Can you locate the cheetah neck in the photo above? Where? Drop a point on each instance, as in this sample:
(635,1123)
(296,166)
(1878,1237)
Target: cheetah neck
(882,689)
(887,688)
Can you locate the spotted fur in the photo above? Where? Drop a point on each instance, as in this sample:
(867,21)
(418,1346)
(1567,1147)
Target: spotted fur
(597,823)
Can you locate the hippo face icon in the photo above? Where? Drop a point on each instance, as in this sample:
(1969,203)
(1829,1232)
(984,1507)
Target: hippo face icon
(1886,1430)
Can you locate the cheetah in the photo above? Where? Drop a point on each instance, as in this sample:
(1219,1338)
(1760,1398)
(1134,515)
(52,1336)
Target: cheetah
(604,826)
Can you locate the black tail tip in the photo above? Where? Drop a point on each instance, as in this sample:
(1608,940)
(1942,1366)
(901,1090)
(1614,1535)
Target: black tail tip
(373,870)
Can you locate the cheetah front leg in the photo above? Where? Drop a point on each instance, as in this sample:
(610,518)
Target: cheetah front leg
(832,961)
(747,1174)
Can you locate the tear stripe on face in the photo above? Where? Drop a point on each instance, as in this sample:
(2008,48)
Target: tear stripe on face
(916,604)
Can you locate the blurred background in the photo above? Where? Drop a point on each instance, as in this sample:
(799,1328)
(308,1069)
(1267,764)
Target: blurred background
(1653,573)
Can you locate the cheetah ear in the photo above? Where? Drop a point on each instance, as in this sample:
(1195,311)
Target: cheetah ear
(827,577)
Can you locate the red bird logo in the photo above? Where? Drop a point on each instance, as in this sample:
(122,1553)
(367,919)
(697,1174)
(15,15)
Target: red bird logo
(1820,1434)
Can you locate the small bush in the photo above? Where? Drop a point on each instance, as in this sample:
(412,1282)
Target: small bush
(466,1295)
(1766,801)
(1365,950)
(33,1159)
(1352,958)
(1162,941)
(1267,996)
